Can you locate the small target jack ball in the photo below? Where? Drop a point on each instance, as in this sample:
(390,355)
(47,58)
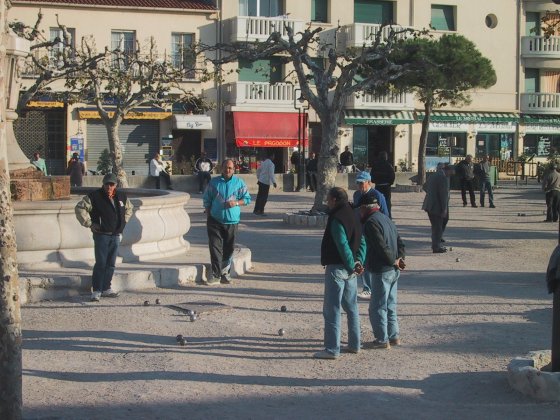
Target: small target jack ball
(146,303)
(451,248)
(157,302)
(179,337)
(283,308)
(281,332)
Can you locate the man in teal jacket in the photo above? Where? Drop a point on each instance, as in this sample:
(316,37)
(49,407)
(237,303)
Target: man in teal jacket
(222,200)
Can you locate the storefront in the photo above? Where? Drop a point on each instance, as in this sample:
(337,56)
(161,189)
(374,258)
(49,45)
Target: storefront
(541,134)
(250,136)
(494,140)
(189,140)
(139,135)
(374,132)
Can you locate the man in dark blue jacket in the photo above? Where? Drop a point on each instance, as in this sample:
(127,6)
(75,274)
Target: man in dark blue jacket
(105,211)
(384,260)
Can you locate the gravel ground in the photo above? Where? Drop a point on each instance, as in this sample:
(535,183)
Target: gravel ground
(463,316)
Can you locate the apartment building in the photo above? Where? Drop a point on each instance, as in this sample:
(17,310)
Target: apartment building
(257,105)
(57,129)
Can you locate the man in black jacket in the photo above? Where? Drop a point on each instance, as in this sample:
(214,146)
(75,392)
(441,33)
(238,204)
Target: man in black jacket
(105,211)
(385,260)
(466,172)
(383,176)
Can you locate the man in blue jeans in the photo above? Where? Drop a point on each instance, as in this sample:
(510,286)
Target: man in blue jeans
(105,211)
(342,253)
(385,260)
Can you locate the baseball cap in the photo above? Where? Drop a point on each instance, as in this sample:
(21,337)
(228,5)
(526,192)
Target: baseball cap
(363,177)
(110,179)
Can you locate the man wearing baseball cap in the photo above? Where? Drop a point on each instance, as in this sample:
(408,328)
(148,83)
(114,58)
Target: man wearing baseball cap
(105,211)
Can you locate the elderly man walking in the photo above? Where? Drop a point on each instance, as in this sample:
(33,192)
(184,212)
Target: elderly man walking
(436,204)
(222,200)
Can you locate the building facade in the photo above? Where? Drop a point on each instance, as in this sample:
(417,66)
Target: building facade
(257,105)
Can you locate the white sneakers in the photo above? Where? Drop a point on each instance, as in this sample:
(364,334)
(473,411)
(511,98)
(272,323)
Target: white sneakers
(365,294)
(110,293)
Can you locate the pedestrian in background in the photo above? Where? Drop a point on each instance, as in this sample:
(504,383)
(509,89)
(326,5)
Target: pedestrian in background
(436,204)
(347,160)
(76,170)
(158,171)
(222,200)
(203,167)
(105,211)
(312,166)
(551,188)
(265,178)
(383,176)
(342,253)
(466,174)
(485,182)
(385,260)
(39,163)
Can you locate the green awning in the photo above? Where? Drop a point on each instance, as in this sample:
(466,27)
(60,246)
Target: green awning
(470,117)
(539,119)
(368,117)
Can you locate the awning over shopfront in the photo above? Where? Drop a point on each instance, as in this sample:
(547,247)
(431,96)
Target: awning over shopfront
(539,119)
(367,117)
(267,129)
(470,117)
(135,114)
(192,122)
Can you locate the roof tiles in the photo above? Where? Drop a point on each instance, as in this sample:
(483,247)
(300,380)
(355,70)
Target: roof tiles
(162,4)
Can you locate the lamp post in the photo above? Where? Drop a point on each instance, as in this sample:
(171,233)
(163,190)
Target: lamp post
(301,104)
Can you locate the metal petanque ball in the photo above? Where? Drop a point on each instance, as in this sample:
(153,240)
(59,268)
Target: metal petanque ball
(458,260)
(179,337)
(189,312)
(183,342)
(157,302)
(281,332)
(283,308)
(193,317)
(146,303)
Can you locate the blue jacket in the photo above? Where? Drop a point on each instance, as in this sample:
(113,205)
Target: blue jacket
(220,191)
(379,196)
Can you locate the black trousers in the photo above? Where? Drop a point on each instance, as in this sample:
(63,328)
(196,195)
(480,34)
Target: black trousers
(438,227)
(468,184)
(262,198)
(552,203)
(203,179)
(386,191)
(221,241)
(312,180)
(165,176)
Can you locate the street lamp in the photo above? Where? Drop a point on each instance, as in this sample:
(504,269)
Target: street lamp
(301,104)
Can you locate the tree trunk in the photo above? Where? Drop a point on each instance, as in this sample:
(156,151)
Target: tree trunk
(112,125)
(327,164)
(423,142)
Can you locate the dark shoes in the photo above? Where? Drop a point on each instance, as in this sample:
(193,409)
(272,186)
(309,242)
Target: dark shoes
(225,279)
(377,345)
(440,250)
(395,341)
(492,206)
(474,205)
(442,240)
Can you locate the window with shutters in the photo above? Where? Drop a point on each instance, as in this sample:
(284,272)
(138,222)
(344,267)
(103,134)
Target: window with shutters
(319,10)
(182,54)
(124,42)
(443,17)
(373,11)
(264,8)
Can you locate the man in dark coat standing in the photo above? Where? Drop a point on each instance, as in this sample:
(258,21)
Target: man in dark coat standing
(383,176)
(105,211)
(436,204)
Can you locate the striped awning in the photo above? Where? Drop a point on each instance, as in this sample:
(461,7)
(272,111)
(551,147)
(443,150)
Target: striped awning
(540,119)
(470,117)
(369,117)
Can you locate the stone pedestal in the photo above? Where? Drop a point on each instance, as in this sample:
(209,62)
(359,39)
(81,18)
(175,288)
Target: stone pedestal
(29,184)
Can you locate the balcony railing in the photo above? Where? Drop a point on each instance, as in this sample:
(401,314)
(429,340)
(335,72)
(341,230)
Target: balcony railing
(540,103)
(360,34)
(397,100)
(540,47)
(256,28)
(277,95)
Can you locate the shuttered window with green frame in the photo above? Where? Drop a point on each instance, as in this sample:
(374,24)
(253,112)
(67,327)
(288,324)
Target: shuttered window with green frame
(268,71)
(319,10)
(373,11)
(443,17)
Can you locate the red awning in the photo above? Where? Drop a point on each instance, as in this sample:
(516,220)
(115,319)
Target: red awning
(267,129)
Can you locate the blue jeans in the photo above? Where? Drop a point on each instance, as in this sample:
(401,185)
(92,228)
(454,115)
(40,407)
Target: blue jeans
(366,281)
(340,291)
(383,305)
(485,184)
(106,247)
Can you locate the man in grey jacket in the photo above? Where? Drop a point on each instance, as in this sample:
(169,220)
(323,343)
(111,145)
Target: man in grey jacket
(436,204)
(551,188)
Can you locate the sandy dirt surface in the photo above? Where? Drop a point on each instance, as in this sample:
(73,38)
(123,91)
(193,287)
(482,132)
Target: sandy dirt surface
(463,316)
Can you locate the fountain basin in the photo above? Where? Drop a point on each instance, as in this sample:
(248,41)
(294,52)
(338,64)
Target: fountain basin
(49,235)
